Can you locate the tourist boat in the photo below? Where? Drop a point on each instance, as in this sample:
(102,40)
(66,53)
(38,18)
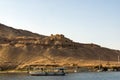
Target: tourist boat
(42,72)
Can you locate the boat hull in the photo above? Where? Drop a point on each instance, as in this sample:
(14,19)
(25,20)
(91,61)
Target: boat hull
(47,74)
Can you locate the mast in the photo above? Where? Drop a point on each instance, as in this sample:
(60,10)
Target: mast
(99,62)
(118,60)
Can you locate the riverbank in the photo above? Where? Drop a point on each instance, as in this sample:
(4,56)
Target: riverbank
(74,69)
(13,71)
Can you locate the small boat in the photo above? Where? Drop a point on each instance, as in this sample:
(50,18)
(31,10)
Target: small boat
(99,70)
(60,72)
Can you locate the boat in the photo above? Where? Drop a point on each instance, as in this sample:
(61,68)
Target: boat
(100,66)
(99,70)
(42,72)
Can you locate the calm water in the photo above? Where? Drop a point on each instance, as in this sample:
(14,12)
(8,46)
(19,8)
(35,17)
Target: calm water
(72,76)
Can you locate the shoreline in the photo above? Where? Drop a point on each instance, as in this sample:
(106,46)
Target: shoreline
(69,69)
(13,71)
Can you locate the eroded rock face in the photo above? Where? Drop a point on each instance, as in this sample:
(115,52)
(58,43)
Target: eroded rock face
(26,48)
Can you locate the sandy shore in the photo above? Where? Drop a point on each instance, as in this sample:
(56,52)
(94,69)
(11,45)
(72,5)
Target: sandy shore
(13,71)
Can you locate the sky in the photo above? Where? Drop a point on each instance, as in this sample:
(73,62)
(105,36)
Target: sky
(84,21)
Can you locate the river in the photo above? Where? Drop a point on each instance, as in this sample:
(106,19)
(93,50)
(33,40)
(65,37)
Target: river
(71,76)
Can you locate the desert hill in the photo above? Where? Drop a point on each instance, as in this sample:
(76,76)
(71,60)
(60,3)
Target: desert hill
(19,48)
(9,32)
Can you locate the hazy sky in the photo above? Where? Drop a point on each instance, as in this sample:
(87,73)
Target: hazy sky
(84,21)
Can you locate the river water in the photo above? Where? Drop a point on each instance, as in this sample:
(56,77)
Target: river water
(71,76)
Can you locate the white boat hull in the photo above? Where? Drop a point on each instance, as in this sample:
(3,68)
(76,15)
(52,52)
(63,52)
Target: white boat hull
(47,73)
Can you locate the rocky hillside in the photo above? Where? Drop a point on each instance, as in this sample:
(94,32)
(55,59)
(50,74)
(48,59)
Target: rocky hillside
(19,48)
(9,32)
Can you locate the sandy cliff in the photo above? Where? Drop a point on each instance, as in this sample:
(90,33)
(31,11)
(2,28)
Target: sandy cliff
(19,48)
